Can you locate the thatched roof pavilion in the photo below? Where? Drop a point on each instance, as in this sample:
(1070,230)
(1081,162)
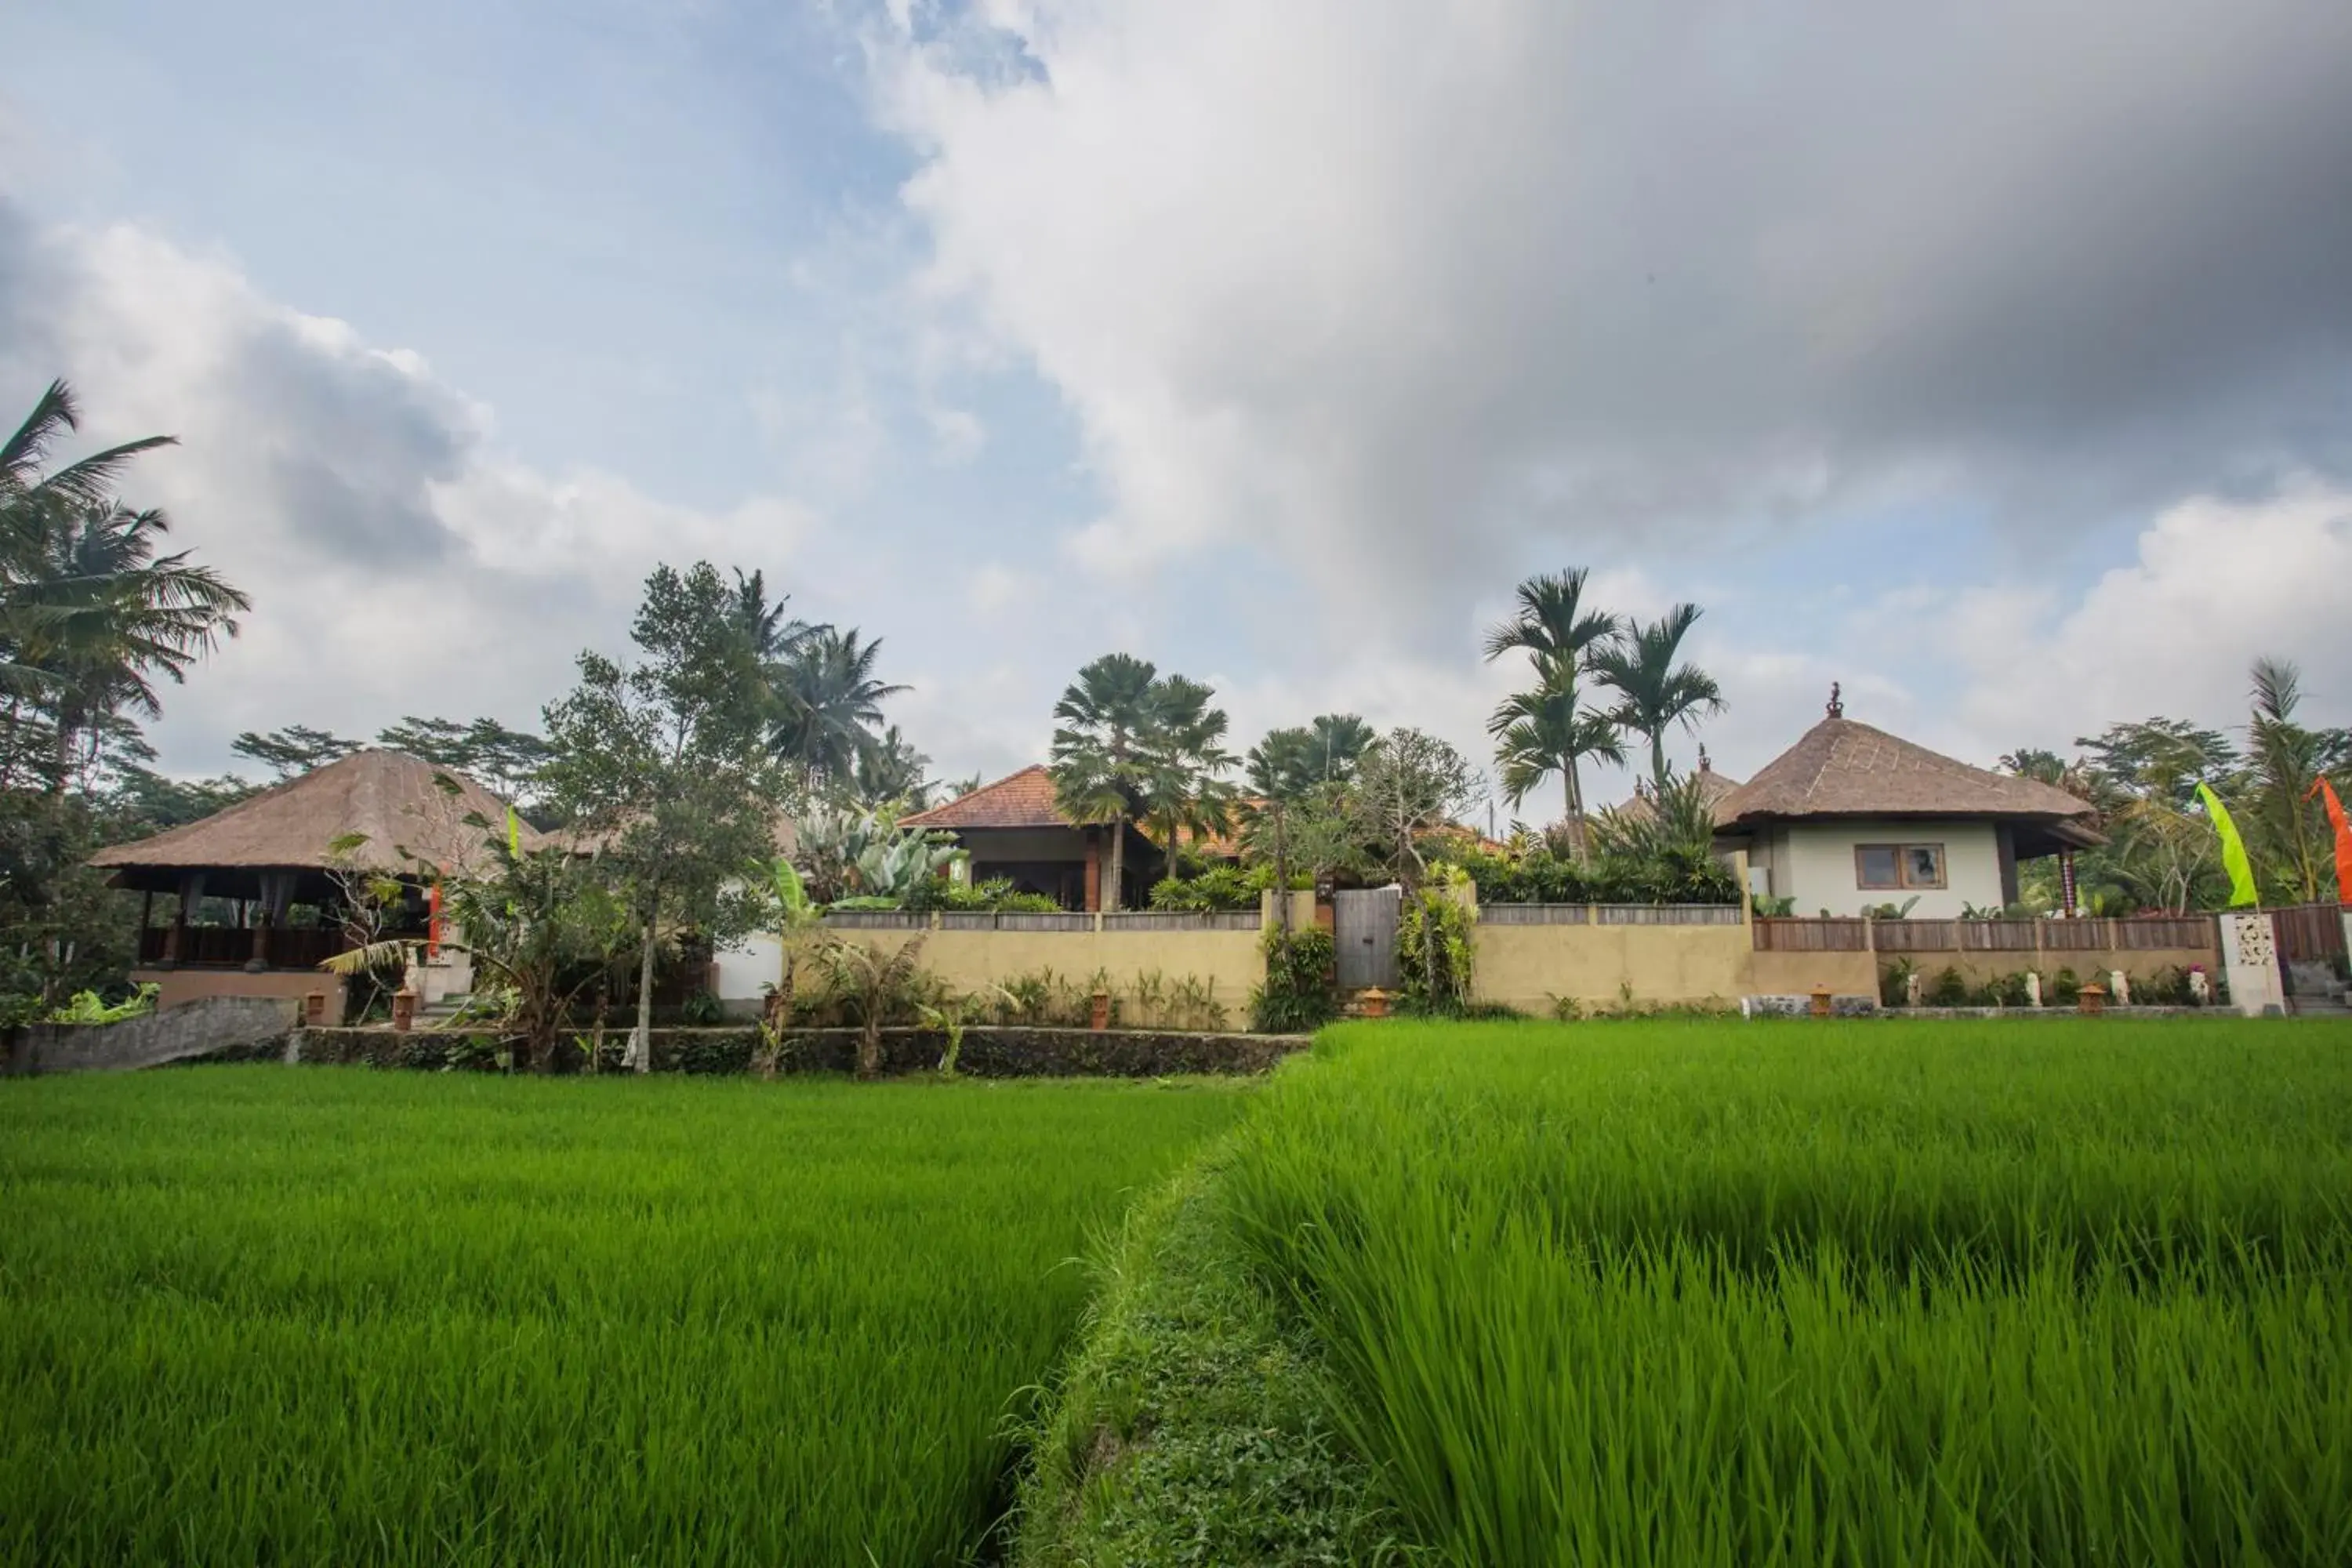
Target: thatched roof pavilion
(276,849)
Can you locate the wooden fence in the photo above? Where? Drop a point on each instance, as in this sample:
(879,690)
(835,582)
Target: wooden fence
(2143,933)
(2309,933)
(1609,914)
(1049,920)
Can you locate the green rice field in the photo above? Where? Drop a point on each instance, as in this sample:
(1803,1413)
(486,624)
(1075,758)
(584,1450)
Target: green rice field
(249,1315)
(1683,1293)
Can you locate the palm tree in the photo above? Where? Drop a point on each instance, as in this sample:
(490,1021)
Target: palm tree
(889,769)
(1284,769)
(830,702)
(1543,734)
(1335,742)
(774,637)
(2282,760)
(1183,790)
(1102,724)
(89,612)
(1655,692)
(1546,730)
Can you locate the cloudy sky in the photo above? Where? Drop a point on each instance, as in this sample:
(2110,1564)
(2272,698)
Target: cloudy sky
(1995,361)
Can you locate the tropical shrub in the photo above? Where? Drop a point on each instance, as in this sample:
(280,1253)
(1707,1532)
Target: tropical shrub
(995,896)
(1434,949)
(1299,995)
(1949,989)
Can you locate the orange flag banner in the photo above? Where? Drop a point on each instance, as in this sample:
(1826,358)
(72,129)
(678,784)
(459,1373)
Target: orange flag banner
(2343,840)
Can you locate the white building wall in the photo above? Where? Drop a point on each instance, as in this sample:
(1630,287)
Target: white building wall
(756,962)
(1814,862)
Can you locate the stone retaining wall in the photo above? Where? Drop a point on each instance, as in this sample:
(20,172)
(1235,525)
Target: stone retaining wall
(988,1051)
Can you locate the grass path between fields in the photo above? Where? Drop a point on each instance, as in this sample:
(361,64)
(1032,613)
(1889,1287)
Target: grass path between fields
(1666,1292)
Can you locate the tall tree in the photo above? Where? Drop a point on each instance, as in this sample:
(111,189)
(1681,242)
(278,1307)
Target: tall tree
(1102,726)
(1409,785)
(1184,790)
(890,772)
(1335,742)
(774,632)
(509,760)
(1283,770)
(91,609)
(661,761)
(1547,730)
(2283,760)
(295,749)
(1655,692)
(1546,733)
(827,704)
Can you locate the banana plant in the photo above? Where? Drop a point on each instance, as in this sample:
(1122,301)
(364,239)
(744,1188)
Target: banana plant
(795,913)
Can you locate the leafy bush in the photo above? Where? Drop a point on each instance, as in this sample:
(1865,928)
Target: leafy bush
(1895,984)
(1219,889)
(1433,950)
(1949,989)
(995,896)
(1537,876)
(1298,994)
(2062,989)
(2004,991)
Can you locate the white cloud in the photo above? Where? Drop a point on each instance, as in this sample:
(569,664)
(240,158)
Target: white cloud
(1404,294)
(2215,583)
(399,560)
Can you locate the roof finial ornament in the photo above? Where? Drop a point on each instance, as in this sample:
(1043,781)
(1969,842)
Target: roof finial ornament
(1837,702)
(1704,765)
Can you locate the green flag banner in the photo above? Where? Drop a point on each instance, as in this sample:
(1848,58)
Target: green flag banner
(2233,851)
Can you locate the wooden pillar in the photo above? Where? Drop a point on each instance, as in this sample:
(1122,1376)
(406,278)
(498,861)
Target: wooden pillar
(175,941)
(1094,874)
(261,925)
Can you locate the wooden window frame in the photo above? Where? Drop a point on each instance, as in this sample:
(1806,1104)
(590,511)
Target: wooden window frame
(1903,882)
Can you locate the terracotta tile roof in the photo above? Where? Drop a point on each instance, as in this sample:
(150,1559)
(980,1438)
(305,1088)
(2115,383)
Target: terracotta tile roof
(390,797)
(1025,799)
(1841,768)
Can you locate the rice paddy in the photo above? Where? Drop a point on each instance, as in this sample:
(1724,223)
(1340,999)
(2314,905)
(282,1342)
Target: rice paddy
(249,1315)
(1676,1293)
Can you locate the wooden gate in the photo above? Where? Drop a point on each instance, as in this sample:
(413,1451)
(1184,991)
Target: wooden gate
(1364,929)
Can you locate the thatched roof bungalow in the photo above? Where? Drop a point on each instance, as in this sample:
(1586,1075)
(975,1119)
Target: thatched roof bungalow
(1852,818)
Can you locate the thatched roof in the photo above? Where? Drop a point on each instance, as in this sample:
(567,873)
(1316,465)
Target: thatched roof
(1841,768)
(390,797)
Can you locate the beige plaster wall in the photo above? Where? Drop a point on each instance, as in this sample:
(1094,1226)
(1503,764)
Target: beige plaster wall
(968,960)
(1528,966)
(1799,973)
(180,985)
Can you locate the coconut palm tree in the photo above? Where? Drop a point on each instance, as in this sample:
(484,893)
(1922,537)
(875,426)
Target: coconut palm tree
(1183,787)
(1654,693)
(1547,730)
(1103,726)
(830,702)
(90,611)
(890,770)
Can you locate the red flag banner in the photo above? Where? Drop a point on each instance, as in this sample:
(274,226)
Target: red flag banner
(2343,840)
